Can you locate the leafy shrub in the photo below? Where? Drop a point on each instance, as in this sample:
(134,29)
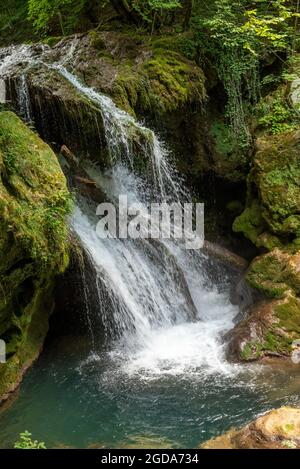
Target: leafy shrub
(26,442)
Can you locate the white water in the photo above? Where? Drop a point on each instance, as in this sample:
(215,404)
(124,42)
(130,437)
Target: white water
(151,296)
(24,99)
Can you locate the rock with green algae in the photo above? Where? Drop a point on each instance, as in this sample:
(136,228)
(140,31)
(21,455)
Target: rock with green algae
(62,115)
(273,325)
(34,202)
(277,429)
(140,78)
(142,74)
(145,76)
(271,221)
(273,190)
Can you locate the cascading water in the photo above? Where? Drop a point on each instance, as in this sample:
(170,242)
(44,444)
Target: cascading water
(161,377)
(155,302)
(24,99)
(165,318)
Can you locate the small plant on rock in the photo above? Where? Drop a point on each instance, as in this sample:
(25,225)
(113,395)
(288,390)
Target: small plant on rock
(26,442)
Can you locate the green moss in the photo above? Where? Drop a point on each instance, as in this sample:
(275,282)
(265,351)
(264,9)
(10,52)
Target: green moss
(249,352)
(27,165)
(273,194)
(250,222)
(96,40)
(271,343)
(274,274)
(277,343)
(288,314)
(173,81)
(52,40)
(183,43)
(163,82)
(222,135)
(34,203)
(275,115)
(265,274)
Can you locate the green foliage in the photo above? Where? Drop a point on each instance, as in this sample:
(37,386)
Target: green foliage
(67,12)
(275,114)
(222,135)
(183,43)
(26,442)
(14,26)
(236,35)
(148,9)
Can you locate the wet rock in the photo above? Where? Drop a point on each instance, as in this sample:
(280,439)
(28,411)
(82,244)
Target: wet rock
(61,115)
(295,93)
(278,429)
(34,201)
(226,256)
(273,325)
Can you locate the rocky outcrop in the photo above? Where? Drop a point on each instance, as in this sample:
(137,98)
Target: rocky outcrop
(34,201)
(271,217)
(278,429)
(61,115)
(271,220)
(143,76)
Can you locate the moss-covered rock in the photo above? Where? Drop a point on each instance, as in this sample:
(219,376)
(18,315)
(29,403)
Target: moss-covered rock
(275,273)
(142,74)
(271,326)
(273,190)
(271,330)
(34,201)
(271,221)
(277,429)
(61,115)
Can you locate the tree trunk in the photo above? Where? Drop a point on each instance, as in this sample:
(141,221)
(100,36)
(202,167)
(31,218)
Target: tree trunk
(188,7)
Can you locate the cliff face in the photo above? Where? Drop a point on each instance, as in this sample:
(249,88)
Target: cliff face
(34,201)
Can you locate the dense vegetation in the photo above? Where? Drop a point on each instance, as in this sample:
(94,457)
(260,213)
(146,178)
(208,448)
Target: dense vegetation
(236,36)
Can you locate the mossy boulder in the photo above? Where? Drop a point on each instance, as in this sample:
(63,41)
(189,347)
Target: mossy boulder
(277,429)
(273,191)
(151,78)
(275,273)
(272,326)
(143,75)
(272,329)
(147,77)
(34,202)
(271,221)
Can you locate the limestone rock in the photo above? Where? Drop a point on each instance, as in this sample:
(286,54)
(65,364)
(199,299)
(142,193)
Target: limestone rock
(278,429)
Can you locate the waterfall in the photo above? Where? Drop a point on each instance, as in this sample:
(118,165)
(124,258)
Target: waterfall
(120,130)
(151,295)
(24,99)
